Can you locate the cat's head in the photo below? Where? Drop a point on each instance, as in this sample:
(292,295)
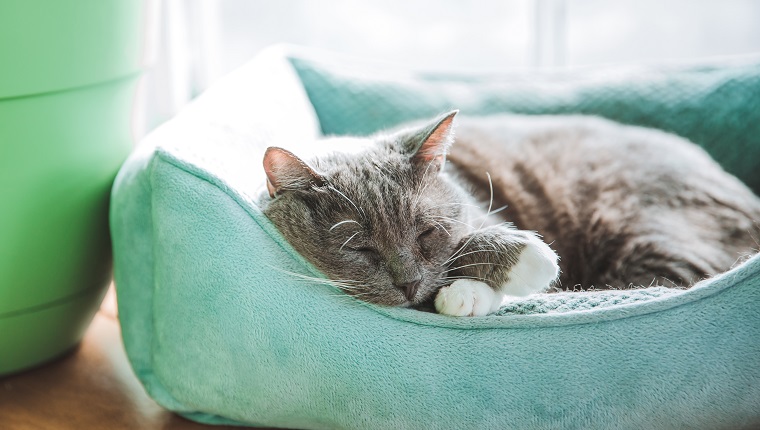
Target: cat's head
(381,223)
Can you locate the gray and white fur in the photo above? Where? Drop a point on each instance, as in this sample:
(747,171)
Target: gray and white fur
(623,206)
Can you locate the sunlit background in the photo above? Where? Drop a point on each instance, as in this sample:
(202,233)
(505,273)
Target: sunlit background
(194,42)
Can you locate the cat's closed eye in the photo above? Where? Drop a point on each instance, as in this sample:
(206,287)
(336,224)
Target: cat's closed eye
(366,251)
(427,233)
(427,240)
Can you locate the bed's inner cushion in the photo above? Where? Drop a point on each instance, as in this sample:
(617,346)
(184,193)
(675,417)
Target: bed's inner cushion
(716,104)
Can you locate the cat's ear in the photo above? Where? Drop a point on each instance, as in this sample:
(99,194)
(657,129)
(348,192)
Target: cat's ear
(286,172)
(430,143)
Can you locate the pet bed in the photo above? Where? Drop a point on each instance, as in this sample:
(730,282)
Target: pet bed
(220,326)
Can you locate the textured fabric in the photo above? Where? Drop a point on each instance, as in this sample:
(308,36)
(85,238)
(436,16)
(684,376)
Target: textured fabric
(582,300)
(219,327)
(716,105)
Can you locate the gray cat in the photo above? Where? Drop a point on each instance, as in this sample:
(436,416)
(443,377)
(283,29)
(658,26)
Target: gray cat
(623,206)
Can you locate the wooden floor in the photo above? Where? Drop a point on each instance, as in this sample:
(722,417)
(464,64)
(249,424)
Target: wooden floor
(92,387)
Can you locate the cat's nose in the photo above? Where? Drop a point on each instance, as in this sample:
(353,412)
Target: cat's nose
(409,288)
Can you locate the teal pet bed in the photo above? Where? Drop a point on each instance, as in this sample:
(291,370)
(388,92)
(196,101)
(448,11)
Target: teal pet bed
(221,326)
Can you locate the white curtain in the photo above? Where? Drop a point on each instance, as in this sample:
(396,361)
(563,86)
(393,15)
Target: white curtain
(195,42)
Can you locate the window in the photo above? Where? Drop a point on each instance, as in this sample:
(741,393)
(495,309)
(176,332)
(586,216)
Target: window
(197,41)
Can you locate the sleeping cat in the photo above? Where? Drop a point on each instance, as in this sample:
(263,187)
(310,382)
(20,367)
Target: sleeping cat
(398,224)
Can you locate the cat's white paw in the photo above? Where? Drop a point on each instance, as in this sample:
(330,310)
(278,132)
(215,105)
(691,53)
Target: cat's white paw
(466,297)
(535,270)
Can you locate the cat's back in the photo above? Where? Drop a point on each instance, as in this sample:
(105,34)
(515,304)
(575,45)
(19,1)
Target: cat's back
(584,158)
(595,187)
(576,149)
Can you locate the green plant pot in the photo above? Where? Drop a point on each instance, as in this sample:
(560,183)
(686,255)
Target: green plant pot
(67,85)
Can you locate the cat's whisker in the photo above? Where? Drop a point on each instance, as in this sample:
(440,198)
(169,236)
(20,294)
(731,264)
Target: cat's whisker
(452,204)
(490,205)
(456,253)
(363,294)
(340,286)
(346,284)
(349,200)
(454,256)
(441,226)
(297,275)
(422,190)
(348,240)
(478,264)
(453,220)
(473,278)
(490,202)
(327,282)
(349,287)
(352,288)
(495,211)
(339,283)
(418,197)
(475,252)
(343,222)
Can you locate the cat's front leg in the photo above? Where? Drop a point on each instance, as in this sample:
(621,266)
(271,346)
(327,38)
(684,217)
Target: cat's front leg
(494,262)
